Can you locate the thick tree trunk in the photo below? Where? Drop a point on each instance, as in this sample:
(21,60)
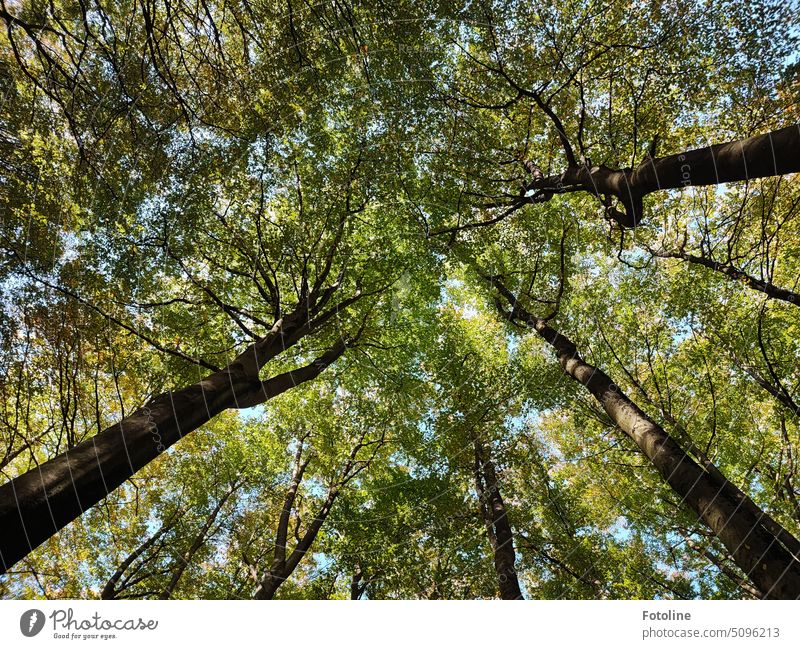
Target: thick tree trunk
(756,551)
(770,154)
(493,511)
(37,504)
(774,570)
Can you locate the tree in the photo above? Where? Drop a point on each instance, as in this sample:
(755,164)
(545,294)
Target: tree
(362,454)
(276,283)
(766,553)
(261,223)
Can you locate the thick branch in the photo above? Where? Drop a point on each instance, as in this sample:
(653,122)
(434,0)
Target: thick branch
(770,154)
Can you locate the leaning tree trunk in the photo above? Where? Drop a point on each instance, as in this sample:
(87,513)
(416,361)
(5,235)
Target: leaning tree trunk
(493,511)
(770,154)
(37,504)
(757,552)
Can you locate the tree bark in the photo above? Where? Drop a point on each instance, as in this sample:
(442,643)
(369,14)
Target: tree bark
(493,511)
(770,154)
(282,568)
(269,586)
(37,504)
(756,551)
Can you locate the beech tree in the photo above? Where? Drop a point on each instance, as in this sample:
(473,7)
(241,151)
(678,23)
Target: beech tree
(340,244)
(765,551)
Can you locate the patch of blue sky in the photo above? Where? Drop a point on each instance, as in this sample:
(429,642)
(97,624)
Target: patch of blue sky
(619,530)
(256,413)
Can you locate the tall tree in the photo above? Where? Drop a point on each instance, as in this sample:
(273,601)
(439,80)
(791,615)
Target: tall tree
(252,221)
(767,556)
(493,511)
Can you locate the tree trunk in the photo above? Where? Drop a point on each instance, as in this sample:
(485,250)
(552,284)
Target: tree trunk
(756,551)
(770,154)
(282,568)
(269,586)
(494,514)
(357,584)
(37,504)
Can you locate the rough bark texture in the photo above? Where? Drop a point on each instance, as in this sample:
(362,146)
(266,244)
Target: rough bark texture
(37,504)
(741,528)
(493,511)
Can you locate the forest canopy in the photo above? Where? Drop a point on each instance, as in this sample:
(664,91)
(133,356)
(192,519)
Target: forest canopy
(398,300)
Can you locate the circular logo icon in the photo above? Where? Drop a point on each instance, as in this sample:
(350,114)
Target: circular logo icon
(31,622)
